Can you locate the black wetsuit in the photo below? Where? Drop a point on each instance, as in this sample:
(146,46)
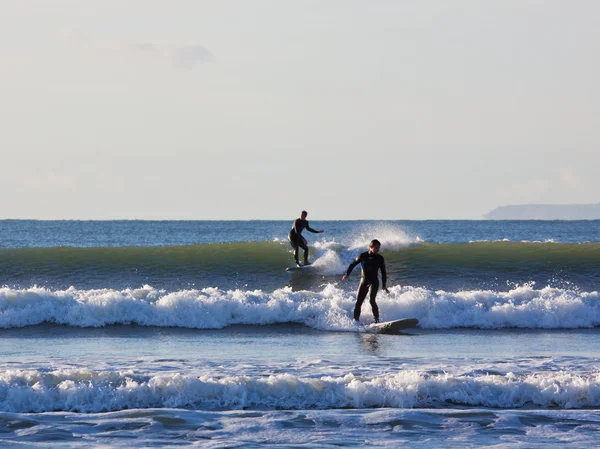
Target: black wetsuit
(296,239)
(371,263)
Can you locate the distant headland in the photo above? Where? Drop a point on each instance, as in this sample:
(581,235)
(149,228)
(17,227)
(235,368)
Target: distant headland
(546,212)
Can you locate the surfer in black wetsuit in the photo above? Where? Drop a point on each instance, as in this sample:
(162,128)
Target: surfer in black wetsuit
(296,239)
(371,263)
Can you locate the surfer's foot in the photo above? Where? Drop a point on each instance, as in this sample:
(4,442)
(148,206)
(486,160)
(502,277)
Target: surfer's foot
(376,320)
(306,262)
(298,264)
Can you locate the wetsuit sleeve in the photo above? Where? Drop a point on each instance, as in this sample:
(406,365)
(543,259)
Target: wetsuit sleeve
(308,228)
(383,272)
(353,264)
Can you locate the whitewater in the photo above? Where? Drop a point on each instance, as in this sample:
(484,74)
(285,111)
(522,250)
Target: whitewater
(138,334)
(329,309)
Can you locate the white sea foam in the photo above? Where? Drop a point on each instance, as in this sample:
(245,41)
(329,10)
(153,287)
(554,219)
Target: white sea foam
(329,309)
(98,391)
(392,237)
(327,259)
(517,241)
(327,245)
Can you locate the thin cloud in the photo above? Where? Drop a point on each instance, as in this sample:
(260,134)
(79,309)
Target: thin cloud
(184,57)
(189,56)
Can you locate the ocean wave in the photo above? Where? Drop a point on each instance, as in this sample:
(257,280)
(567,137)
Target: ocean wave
(90,391)
(405,256)
(329,310)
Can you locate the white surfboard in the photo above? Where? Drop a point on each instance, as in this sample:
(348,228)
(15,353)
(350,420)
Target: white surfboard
(301,268)
(392,327)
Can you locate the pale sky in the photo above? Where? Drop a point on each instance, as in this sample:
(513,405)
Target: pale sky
(378,109)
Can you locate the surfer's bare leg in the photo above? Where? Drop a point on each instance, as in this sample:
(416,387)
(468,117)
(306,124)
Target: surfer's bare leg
(361,294)
(373,294)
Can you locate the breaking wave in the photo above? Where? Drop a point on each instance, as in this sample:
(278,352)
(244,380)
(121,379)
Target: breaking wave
(329,309)
(101,391)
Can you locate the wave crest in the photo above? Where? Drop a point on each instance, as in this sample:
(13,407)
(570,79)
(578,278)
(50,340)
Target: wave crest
(90,391)
(330,309)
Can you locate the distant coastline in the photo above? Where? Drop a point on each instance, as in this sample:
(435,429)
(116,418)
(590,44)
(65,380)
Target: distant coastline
(546,212)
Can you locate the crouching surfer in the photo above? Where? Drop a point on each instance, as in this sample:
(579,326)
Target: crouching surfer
(296,239)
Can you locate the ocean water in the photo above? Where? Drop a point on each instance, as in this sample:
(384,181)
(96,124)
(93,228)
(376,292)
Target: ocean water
(183,334)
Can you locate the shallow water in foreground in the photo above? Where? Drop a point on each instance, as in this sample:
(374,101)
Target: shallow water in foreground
(294,386)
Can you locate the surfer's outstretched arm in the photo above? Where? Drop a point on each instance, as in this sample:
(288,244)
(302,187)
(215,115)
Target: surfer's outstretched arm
(351,267)
(308,228)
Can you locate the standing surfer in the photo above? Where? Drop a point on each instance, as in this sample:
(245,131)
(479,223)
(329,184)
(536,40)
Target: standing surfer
(296,239)
(371,263)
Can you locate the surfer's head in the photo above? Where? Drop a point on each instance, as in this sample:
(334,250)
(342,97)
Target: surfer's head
(303,214)
(374,246)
